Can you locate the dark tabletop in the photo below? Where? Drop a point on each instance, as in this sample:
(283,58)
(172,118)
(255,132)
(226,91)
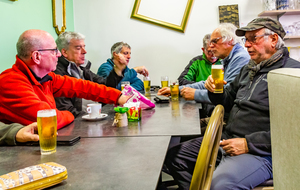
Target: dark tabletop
(124,158)
(175,118)
(126,163)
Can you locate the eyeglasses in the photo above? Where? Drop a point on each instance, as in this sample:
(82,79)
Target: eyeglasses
(252,39)
(56,50)
(209,51)
(215,40)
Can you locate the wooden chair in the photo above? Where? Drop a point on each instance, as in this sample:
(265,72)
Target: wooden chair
(205,164)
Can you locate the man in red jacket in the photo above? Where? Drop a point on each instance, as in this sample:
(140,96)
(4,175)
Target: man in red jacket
(30,85)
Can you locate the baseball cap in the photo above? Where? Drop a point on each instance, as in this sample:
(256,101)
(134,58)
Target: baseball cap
(259,23)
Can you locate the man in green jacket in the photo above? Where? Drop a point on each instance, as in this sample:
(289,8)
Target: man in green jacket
(199,67)
(12,133)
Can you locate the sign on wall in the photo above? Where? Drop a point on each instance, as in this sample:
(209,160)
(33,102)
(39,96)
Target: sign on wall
(229,14)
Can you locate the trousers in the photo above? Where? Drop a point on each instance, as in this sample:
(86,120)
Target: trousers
(244,171)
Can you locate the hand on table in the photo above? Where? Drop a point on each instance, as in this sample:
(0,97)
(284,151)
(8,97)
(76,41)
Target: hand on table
(27,133)
(188,93)
(210,84)
(164,91)
(235,146)
(142,70)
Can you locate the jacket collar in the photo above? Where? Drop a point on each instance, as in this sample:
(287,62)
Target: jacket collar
(68,64)
(29,73)
(279,63)
(227,59)
(111,62)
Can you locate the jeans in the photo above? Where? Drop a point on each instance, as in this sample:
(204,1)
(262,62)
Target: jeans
(244,171)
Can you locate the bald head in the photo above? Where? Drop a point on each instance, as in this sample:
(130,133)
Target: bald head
(37,49)
(32,40)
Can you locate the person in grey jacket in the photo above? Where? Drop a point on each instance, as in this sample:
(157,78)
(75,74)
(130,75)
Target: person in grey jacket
(233,56)
(73,63)
(245,149)
(11,134)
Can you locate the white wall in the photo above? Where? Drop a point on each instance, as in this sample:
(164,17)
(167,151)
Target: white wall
(162,51)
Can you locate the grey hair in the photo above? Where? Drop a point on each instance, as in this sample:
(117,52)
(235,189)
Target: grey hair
(117,48)
(206,40)
(280,42)
(26,44)
(227,31)
(63,40)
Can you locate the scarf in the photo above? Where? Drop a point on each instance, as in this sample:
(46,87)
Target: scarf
(254,68)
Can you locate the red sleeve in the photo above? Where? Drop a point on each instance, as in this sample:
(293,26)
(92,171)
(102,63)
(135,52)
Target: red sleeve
(72,87)
(20,100)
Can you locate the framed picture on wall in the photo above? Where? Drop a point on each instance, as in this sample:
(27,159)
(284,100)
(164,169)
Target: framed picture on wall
(166,13)
(229,14)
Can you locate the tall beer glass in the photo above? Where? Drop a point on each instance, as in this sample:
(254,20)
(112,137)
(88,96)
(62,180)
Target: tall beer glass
(147,84)
(47,129)
(217,73)
(174,88)
(164,81)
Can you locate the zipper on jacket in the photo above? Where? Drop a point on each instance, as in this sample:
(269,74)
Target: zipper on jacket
(258,80)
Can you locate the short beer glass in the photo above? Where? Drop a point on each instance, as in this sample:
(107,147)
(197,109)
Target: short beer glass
(217,73)
(147,84)
(47,129)
(164,81)
(174,88)
(124,83)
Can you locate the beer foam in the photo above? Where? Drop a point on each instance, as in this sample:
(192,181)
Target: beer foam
(46,113)
(217,67)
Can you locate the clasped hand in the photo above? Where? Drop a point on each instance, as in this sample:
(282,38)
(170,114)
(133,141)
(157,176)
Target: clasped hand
(235,146)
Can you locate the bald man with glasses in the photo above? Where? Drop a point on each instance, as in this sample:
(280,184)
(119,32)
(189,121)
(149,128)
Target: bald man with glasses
(30,85)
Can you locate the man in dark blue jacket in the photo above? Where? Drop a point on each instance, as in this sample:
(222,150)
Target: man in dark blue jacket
(73,63)
(120,56)
(246,146)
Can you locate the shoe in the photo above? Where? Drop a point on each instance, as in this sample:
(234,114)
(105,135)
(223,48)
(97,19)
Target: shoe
(145,103)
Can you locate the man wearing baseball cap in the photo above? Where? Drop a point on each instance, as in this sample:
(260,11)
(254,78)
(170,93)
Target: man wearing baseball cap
(245,149)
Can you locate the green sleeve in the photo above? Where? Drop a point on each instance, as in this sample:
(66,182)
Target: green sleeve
(8,133)
(193,72)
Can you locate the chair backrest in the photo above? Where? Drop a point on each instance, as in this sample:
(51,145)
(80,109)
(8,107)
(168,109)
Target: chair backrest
(207,155)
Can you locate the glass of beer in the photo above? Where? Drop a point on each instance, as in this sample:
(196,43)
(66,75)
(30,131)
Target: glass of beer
(47,129)
(175,108)
(174,88)
(217,73)
(147,84)
(124,83)
(164,81)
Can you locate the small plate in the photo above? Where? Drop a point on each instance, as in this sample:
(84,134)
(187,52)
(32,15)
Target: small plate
(87,117)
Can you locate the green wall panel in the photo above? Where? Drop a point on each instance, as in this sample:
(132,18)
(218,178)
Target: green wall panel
(21,15)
